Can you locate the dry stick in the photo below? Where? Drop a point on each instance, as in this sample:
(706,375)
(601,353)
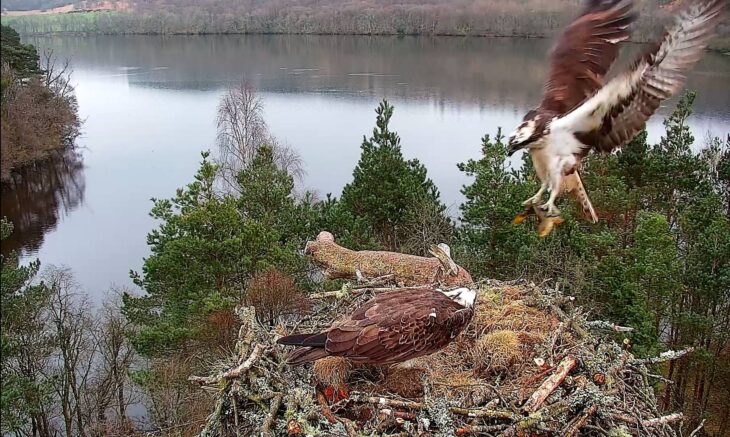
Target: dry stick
(582,333)
(232,373)
(601,324)
(395,403)
(271,417)
(551,383)
(361,397)
(258,350)
(665,356)
(574,428)
(340,262)
(649,423)
(485,413)
(697,430)
(478,429)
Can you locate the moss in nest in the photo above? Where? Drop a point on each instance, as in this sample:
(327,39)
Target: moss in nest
(497,350)
(334,371)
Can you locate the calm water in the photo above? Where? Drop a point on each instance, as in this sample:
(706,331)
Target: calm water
(149,107)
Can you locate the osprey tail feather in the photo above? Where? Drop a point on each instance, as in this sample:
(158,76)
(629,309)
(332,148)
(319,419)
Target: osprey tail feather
(312,347)
(574,185)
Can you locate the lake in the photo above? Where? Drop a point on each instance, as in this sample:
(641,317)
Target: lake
(149,106)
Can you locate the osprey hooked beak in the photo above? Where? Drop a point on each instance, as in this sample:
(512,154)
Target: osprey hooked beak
(513,146)
(524,134)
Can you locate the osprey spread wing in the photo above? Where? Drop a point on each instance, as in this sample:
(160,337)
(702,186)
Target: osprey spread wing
(393,327)
(579,112)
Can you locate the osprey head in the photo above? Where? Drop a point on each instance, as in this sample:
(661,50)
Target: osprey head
(526,133)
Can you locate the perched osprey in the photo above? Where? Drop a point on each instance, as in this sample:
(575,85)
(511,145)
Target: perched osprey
(393,327)
(579,112)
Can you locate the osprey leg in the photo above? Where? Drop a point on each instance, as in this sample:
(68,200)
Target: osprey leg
(554,187)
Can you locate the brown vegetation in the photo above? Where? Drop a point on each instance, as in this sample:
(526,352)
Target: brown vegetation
(509,18)
(38,116)
(275,295)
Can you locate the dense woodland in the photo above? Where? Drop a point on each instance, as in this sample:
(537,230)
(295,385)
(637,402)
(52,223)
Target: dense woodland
(38,118)
(521,18)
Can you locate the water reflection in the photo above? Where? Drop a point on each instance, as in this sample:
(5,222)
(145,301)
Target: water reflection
(487,72)
(38,197)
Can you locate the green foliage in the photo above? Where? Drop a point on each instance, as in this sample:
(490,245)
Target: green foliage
(388,192)
(20,300)
(491,246)
(22,58)
(209,245)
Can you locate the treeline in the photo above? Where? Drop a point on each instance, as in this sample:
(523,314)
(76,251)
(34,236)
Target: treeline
(659,260)
(38,110)
(513,18)
(29,5)
(64,367)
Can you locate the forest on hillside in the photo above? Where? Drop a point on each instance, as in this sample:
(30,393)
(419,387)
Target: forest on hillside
(512,18)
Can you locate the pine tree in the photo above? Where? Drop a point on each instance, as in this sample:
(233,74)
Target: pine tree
(208,246)
(388,192)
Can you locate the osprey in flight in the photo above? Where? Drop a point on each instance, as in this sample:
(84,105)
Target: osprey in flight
(393,327)
(580,112)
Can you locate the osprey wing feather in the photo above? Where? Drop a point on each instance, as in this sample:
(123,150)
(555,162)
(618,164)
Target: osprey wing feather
(392,327)
(584,53)
(615,114)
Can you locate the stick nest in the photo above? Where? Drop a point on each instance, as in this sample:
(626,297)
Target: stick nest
(529,364)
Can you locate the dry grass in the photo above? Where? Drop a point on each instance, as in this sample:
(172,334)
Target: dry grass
(332,371)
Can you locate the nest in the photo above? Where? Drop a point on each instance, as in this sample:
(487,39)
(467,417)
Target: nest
(528,364)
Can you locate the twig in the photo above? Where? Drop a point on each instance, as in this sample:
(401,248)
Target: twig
(551,383)
(258,350)
(649,423)
(601,324)
(232,373)
(574,427)
(492,414)
(582,333)
(271,417)
(698,429)
(360,397)
(664,356)
(478,429)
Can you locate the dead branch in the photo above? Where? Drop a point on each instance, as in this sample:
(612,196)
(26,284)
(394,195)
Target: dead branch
(478,429)
(271,417)
(649,423)
(665,356)
(236,372)
(408,270)
(551,383)
(383,401)
(485,413)
(573,428)
(602,324)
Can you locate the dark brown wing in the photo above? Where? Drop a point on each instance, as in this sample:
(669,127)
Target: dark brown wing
(397,326)
(584,53)
(621,109)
